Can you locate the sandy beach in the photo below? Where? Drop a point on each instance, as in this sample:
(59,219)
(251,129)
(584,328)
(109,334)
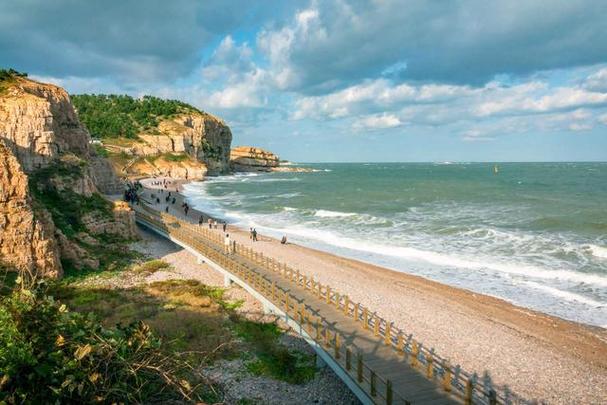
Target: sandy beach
(536,355)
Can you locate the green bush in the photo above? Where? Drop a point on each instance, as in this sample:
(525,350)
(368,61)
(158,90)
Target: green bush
(121,116)
(51,355)
(66,206)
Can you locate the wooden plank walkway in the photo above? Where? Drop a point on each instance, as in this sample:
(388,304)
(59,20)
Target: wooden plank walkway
(386,375)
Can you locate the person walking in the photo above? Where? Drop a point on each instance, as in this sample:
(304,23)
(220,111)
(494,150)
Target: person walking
(227,244)
(254,235)
(225,226)
(200,220)
(283,241)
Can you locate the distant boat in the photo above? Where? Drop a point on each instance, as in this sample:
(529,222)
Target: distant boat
(495,169)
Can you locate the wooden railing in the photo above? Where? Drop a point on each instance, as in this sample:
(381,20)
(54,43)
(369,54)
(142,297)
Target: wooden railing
(453,379)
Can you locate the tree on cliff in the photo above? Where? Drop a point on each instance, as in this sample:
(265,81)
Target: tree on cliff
(122,116)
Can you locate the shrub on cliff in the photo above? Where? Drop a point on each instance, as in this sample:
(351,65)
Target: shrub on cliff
(51,355)
(121,116)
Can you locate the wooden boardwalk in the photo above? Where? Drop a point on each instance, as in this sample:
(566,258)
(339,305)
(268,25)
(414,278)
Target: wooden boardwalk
(387,368)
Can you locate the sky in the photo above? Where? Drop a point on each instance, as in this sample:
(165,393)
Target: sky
(334,80)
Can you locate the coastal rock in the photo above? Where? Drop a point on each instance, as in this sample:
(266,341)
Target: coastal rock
(122,222)
(26,236)
(39,123)
(249,158)
(187,169)
(201,136)
(103,175)
(45,154)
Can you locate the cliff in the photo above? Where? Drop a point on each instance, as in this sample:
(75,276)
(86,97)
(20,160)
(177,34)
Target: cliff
(249,158)
(26,240)
(50,179)
(169,137)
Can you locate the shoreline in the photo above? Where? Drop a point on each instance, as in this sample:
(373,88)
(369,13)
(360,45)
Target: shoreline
(539,356)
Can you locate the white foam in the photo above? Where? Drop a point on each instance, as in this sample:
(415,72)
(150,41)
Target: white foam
(440,259)
(333,214)
(598,251)
(566,295)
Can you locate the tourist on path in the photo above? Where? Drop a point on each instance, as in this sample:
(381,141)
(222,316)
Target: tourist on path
(254,234)
(227,243)
(283,241)
(225,226)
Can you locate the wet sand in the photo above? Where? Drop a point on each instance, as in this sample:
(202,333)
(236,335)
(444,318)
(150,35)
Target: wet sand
(537,356)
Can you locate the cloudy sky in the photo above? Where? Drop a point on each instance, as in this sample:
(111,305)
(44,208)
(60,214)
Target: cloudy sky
(331,80)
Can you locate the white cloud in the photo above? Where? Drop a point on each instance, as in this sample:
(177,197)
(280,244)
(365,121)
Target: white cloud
(381,121)
(603,119)
(597,81)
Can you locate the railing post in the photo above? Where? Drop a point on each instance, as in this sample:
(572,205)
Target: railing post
(297,277)
(492,397)
(376,325)
(469,390)
(317,329)
(388,392)
(328,289)
(401,343)
(305,282)
(348,359)
(359,367)
(356,312)
(365,318)
(429,365)
(447,377)
(346,305)
(337,300)
(337,345)
(414,354)
(273,290)
(387,335)
(373,384)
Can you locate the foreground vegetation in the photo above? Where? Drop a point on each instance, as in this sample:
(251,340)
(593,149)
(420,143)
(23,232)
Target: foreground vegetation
(49,354)
(81,340)
(122,116)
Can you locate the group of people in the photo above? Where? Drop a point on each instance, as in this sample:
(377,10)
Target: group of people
(213,224)
(186,208)
(164,183)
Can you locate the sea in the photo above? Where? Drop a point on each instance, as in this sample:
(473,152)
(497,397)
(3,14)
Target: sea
(534,234)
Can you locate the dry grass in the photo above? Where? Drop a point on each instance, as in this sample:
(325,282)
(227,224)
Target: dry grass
(152,266)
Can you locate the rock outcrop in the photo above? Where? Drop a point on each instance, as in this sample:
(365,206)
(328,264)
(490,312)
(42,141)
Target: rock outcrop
(27,240)
(249,158)
(49,173)
(40,124)
(203,138)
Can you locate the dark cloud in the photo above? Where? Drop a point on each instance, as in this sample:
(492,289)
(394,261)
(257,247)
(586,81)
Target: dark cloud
(467,41)
(128,39)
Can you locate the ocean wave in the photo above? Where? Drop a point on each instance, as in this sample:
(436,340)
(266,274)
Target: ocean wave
(333,214)
(442,259)
(598,251)
(566,295)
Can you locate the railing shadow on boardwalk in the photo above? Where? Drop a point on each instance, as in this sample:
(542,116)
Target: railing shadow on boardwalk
(347,351)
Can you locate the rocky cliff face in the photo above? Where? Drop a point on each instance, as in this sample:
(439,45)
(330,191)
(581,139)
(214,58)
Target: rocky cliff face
(202,137)
(39,124)
(49,178)
(249,158)
(27,240)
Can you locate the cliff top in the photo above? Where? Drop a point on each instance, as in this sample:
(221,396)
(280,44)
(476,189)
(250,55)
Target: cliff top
(122,116)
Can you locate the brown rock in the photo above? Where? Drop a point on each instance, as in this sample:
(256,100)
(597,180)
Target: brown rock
(26,237)
(249,158)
